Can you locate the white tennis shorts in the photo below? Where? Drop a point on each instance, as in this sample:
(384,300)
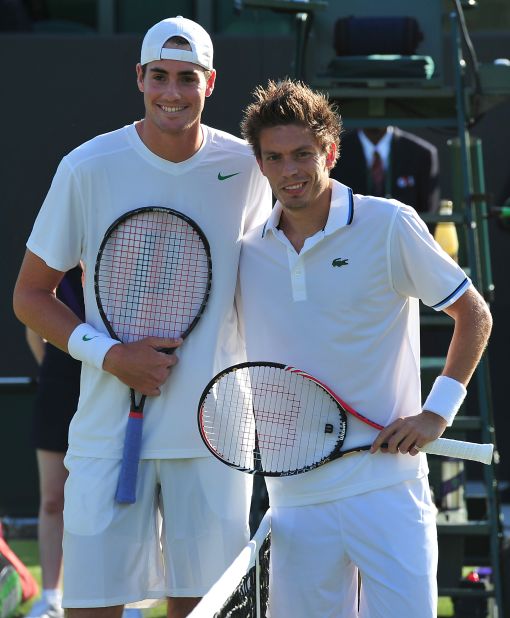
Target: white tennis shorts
(188,524)
(388,534)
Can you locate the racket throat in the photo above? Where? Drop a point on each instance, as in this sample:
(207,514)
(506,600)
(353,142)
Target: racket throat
(136,410)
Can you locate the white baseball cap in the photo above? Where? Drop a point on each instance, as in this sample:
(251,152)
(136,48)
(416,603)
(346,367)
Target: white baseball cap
(200,42)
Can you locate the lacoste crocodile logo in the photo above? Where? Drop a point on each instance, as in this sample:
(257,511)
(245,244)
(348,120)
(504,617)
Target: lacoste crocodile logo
(87,338)
(340,262)
(221,177)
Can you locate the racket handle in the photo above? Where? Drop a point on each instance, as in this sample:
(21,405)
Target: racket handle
(461,450)
(126,488)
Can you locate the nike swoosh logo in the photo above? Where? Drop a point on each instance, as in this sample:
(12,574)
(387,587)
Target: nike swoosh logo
(86,338)
(220,177)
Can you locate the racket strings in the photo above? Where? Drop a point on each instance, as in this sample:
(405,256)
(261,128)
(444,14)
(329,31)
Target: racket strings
(278,425)
(153,276)
(263,417)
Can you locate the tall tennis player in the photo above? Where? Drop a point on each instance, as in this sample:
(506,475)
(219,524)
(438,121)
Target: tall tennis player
(330,284)
(116,554)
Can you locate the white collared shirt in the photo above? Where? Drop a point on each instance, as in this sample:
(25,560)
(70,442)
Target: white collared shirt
(383,147)
(345,309)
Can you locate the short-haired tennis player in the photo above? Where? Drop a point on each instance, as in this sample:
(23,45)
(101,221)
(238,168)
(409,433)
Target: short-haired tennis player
(115,553)
(330,284)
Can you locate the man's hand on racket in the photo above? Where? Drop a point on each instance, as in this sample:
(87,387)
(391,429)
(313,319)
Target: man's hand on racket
(141,364)
(404,434)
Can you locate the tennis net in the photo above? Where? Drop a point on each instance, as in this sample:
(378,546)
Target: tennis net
(243,590)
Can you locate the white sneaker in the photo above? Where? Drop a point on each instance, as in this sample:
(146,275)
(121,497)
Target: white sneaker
(132,612)
(44,609)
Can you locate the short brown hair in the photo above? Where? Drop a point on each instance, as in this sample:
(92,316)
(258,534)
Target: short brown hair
(291,102)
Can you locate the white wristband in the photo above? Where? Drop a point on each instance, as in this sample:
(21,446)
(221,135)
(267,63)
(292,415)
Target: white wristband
(88,345)
(445,398)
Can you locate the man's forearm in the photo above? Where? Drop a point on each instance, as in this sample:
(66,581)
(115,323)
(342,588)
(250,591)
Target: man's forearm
(46,316)
(473,324)
(36,305)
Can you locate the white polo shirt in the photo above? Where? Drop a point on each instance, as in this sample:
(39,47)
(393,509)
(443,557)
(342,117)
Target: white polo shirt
(345,309)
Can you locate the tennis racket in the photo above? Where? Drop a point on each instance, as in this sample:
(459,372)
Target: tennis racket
(152,279)
(274,420)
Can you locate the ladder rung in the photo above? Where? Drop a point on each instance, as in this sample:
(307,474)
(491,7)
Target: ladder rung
(466,592)
(468,528)
(466,423)
(440,319)
(432,362)
(455,217)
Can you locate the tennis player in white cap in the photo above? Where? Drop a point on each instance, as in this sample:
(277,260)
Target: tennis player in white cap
(190,519)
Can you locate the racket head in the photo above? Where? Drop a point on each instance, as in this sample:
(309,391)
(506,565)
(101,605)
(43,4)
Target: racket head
(153,274)
(269,419)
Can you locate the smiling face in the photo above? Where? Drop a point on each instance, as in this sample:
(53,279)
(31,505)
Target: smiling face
(174,93)
(296,166)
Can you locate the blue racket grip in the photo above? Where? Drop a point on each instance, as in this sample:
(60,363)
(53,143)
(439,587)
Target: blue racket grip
(126,488)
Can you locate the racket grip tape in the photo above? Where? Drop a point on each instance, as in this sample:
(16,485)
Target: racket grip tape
(462,450)
(126,488)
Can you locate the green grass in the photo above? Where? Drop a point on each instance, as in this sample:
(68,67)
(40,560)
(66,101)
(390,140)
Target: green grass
(444,607)
(27,552)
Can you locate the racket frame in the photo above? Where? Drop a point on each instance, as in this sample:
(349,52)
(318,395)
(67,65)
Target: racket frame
(115,225)
(257,470)
(482,453)
(126,489)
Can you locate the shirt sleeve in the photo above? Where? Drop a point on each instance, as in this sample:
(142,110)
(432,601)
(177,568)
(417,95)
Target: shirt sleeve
(57,234)
(419,268)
